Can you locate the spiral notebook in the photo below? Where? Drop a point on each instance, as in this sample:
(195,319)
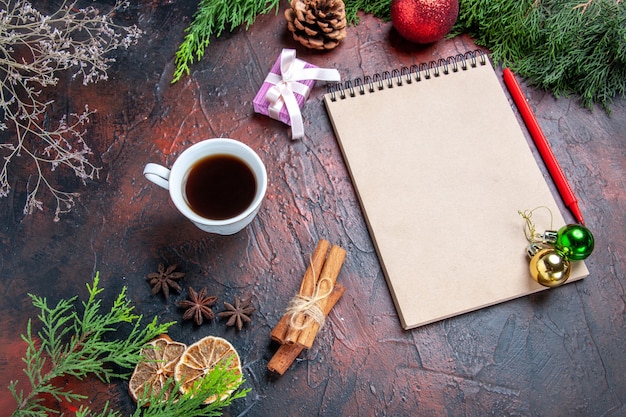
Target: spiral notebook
(441,167)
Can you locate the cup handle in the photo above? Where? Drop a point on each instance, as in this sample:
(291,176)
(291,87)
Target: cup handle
(158,174)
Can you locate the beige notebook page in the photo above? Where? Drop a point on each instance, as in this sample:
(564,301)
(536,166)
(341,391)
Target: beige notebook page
(441,168)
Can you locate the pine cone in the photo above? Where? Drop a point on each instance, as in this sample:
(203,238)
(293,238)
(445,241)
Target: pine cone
(317,24)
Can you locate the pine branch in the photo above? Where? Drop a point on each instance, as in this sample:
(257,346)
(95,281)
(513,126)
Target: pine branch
(80,345)
(191,404)
(211,19)
(69,345)
(377,8)
(567,47)
(106,412)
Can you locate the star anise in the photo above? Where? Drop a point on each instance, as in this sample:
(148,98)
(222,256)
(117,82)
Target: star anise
(198,306)
(165,279)
(238,313)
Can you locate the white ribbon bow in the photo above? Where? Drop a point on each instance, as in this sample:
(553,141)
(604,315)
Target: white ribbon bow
(286,84)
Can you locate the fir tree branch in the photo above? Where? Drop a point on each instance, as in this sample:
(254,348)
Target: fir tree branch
(377,8)
(69,345)
(191,404)
(80,344)
(567,47)
(211,19)
(106,412)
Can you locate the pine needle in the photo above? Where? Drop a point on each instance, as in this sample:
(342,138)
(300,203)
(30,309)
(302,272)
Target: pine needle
(380,9)
(75,344)
(191,404)
(567,47)
(71,344)
(210,20)
(570,47)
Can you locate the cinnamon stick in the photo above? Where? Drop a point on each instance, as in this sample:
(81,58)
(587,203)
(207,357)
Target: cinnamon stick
(326,282)
(281,331)
(286,354)
(283,358)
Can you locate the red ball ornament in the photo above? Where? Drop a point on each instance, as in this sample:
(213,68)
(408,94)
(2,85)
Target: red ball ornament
(424,21)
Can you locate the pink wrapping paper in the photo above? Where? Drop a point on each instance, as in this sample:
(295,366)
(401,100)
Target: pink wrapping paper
(261,104)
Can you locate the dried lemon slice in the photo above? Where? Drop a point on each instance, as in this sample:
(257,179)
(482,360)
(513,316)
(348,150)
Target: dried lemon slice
(161,356)
(201,358)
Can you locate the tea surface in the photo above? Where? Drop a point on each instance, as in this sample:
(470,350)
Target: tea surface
(220,187)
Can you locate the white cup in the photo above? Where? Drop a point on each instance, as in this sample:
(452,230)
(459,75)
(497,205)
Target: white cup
(175,181)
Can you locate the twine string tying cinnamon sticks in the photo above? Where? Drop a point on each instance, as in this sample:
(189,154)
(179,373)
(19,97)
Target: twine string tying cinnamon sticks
(309,306)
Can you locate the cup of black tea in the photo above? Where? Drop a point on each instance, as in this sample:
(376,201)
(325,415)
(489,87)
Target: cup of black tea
(218,184)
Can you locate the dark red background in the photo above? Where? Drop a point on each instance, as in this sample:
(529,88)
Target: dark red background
(552,354)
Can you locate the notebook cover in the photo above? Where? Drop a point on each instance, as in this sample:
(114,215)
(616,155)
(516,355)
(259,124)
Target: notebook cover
(441,167)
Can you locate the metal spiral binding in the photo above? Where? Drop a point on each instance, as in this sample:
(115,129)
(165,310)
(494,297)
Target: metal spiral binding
(397,77)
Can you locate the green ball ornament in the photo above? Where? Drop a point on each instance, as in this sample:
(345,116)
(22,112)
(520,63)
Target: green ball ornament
(574,241)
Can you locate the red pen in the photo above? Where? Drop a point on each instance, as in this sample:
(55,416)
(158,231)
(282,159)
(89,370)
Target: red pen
(542,145)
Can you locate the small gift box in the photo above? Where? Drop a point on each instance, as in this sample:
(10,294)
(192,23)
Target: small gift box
(286,88)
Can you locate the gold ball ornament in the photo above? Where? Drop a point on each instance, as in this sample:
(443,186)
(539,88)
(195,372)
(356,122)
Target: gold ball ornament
(549,268)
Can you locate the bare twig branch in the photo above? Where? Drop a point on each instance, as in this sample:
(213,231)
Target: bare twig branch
(33,49)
